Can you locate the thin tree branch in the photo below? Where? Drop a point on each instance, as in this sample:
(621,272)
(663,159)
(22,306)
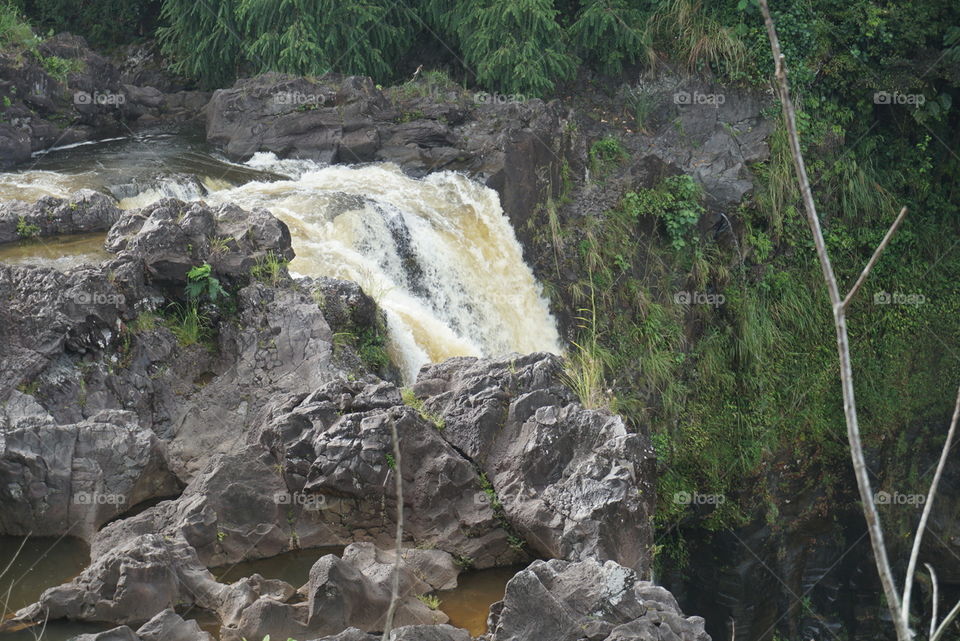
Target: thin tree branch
(946,621)
(395,591)
(927,508)
(873,259)
(843,345)
(935,600)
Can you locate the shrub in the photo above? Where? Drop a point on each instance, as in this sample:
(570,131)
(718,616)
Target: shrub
(605,154)
(607,33)
(26,230)
(202,284)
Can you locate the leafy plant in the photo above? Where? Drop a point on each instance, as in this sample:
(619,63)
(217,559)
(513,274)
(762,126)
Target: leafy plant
(675,201)
(26,230)
(605,154)
(59,68)
(201,284)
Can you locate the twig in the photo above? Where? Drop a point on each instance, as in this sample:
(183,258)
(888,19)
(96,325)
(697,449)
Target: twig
(934,602)
(873,259)
(927,508)
(395,595)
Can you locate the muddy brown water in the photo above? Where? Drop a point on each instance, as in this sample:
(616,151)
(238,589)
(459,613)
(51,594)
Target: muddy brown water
(59,252)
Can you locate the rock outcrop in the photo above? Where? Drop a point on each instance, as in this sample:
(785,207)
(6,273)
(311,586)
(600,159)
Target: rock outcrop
(90,100)
(575,483)
(525,149)
(74,478)
(588,600)
(85,211)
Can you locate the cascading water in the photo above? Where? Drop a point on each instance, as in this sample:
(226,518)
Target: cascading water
(437,254)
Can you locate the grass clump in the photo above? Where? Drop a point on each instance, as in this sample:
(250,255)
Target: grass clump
(15,33)
(270,269)
(410,400)
(605,155)
(431,601)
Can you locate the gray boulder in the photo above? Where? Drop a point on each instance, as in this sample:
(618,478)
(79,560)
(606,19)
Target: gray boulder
(169,626)
(575,483)
(74,478)
(84,211)
(588,600)
(348,592)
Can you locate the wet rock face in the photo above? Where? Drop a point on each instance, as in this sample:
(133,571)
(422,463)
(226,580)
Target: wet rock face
(587,599)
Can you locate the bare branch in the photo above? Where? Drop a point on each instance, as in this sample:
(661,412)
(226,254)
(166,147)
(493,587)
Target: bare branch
(843,345)
(927,508)
(946,621)
(873,259)
(935,600)
(395,591)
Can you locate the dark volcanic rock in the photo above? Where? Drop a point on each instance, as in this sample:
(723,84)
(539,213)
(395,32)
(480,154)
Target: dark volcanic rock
(564,601)
(74,478)
(85,211)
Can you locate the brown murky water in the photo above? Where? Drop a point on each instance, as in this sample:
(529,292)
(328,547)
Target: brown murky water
(59,252)
(468,604)
(45,562)
(292,567)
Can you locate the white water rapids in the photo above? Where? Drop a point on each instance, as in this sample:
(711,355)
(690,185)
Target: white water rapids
(437,254)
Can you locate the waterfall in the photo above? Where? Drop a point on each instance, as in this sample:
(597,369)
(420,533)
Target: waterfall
(437,254)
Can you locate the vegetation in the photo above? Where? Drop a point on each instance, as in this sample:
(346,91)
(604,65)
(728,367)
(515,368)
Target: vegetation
(26,230)
(270,269)
(430,600)
(410,400)
(605,154)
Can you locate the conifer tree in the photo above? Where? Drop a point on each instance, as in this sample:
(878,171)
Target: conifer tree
(316,36)
(202,40)
(515,46)
(608,33)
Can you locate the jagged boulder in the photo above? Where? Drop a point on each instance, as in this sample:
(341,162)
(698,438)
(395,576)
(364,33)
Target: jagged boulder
(575,483)
(349,592)
(84,211)
(588,600)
